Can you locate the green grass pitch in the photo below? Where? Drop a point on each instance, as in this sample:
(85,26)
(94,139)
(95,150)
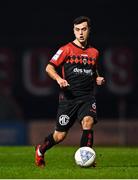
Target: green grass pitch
(17,162)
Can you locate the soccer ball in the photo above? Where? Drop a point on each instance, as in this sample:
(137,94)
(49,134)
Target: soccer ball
(85,156)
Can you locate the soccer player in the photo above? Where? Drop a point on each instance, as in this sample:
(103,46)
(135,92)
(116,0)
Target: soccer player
(79,74)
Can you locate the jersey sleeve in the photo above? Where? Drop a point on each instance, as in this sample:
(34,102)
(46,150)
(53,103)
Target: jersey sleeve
(59,57)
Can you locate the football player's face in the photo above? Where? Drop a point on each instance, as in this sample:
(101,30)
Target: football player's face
(81,32)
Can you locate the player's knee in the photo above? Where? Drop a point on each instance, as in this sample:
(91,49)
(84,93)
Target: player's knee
(87,122)
(59,136)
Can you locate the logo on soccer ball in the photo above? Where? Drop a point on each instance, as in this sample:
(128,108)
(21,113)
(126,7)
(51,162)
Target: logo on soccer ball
(63,120)
(85,155)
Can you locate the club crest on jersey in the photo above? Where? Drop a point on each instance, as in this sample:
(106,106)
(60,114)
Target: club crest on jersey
(64,120)
(84,58)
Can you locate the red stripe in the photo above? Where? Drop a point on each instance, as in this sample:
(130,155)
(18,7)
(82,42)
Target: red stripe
(63,72)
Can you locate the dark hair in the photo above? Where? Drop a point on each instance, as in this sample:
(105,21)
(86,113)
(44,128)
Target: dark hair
(81,19)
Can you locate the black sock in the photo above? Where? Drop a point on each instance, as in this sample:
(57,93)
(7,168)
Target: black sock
(87,138)
(48,143)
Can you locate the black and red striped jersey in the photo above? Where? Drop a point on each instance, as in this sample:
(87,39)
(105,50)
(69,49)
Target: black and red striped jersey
(78,68)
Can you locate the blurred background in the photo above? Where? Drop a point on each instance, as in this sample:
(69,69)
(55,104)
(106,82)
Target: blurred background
(30,33)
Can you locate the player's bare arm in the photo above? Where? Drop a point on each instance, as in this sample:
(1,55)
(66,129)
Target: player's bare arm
(55,76)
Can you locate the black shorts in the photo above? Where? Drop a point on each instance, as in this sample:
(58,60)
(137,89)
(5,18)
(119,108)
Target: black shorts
(70,110)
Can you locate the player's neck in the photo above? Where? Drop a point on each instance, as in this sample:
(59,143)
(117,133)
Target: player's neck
(82,45)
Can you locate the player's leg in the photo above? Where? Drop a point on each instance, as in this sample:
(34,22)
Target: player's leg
(52,140)
(65,120)
(87,116)
(87,131)
(48,143)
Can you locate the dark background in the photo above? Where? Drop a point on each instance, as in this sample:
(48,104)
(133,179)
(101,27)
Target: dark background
(46,25)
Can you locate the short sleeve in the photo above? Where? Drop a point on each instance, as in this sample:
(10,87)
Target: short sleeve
(59,57)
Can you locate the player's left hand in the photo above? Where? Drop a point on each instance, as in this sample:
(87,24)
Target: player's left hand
(100,80)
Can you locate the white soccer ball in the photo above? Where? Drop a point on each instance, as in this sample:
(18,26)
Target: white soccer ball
(85,156)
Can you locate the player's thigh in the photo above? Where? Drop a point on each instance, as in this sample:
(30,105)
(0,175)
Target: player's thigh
(66,116)
(88,109)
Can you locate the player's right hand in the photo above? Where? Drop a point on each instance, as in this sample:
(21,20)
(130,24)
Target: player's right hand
(62,82)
